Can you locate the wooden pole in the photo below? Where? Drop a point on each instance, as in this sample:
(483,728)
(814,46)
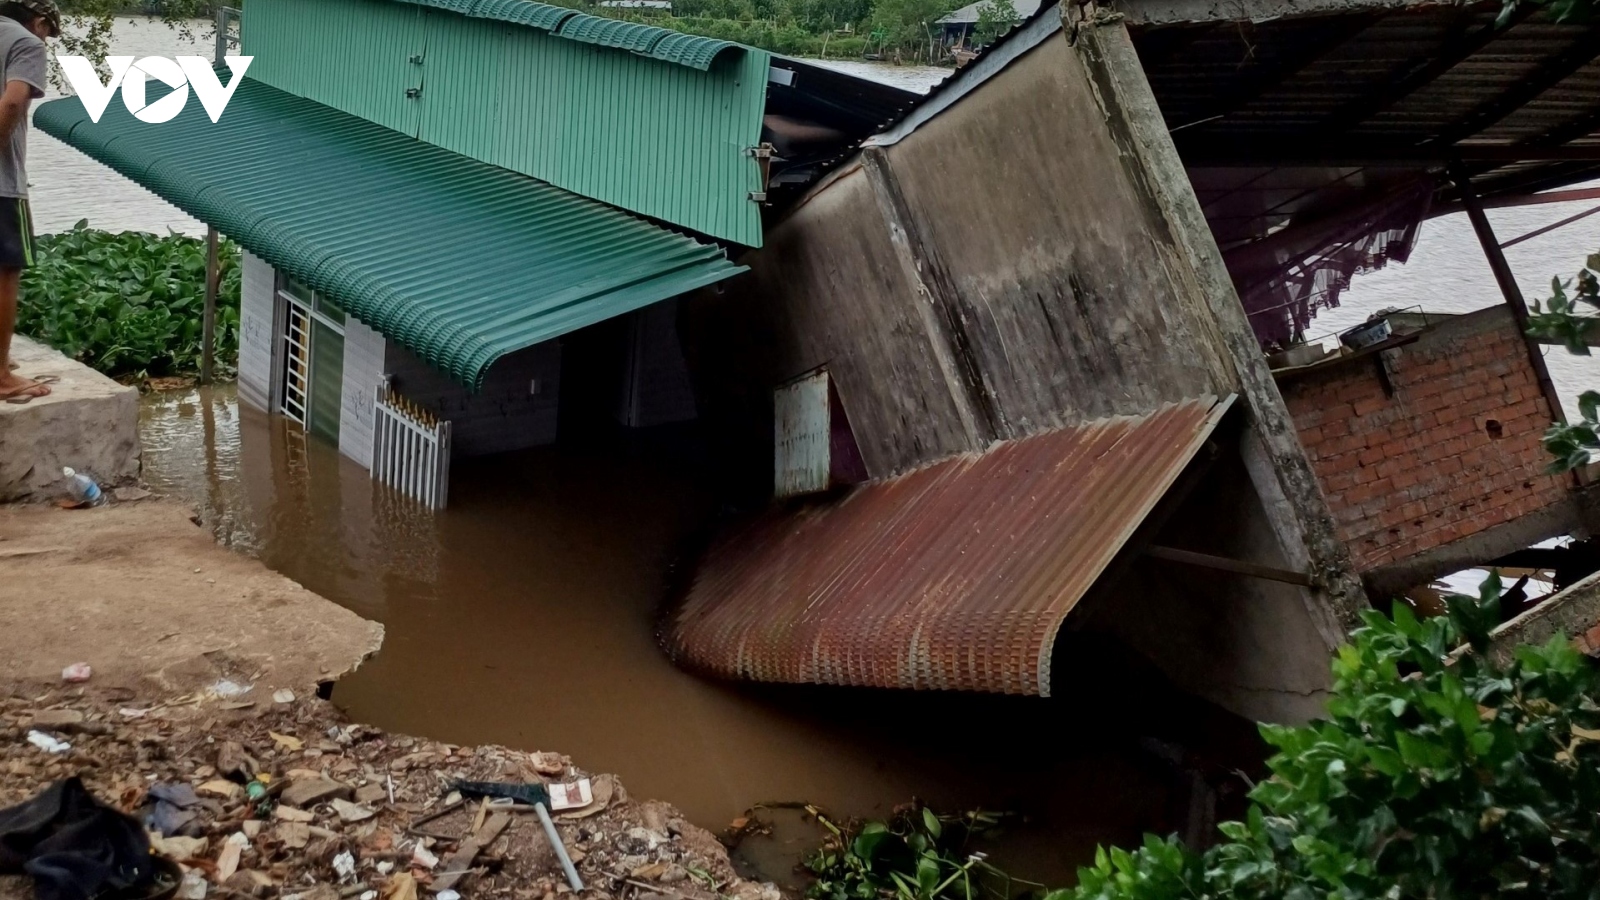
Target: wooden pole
(1508,284)
(208,321)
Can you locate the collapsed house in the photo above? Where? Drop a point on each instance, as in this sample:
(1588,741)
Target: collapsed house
(1014,363)
(1046,309)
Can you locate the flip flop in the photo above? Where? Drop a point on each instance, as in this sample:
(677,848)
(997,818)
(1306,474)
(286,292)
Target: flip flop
(26,393)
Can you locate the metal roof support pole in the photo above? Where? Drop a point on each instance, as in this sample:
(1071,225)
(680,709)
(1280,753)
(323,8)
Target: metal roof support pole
(208,318)
(1508,284)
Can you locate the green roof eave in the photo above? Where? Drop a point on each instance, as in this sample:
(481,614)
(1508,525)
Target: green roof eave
(460,261)
(647,40)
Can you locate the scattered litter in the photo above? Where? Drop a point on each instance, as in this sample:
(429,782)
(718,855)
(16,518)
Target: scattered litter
(81,490)
(401,887)
(130,713)
(369,895)
(228,859)
(283,695)
(575,795)
(47,743)
(423,859)
(447,895)
(193,886)
(385,867)
(344,864)
(351,812)
(227,689)
(220,787)
(283,740)
(77,673)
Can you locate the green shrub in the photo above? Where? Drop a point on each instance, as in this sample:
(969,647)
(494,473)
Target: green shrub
(1435,775)
(1427,780)
(128,303)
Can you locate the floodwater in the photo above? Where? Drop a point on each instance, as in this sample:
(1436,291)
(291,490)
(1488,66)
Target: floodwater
(524,615)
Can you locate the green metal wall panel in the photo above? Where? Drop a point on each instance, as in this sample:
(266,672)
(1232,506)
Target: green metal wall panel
(354,57)
(663,139)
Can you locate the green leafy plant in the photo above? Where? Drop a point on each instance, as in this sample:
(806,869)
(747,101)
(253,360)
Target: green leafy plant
(1561,318)
(129,303)
(994,19)
(916,855)
(1437,773)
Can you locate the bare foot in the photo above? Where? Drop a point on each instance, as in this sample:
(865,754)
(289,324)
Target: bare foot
(14,387)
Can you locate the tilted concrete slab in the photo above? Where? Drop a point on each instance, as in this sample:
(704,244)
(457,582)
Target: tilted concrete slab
(88,422)
(152,603)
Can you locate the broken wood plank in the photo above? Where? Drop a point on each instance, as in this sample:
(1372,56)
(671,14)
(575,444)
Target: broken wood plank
(458,865)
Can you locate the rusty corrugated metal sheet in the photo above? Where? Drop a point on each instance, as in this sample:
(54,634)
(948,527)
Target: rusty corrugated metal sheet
(954,577)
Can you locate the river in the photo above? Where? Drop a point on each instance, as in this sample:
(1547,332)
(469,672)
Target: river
(524,615)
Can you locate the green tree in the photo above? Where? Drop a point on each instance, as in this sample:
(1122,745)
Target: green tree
(1561,318)
(994,19)
(89,22)
(909,25)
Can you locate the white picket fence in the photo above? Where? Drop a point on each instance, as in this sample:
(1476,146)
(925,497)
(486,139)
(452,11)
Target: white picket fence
(410,449)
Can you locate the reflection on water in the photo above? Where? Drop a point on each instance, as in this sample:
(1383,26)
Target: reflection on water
(524,615)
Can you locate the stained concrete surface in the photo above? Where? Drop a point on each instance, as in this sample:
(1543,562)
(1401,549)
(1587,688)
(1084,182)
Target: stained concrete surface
(150,601)
(88,422)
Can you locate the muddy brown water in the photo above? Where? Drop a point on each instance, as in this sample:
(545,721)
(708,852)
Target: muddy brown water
(524,615)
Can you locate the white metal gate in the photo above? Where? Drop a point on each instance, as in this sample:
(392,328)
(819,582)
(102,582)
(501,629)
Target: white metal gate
(296,362)
(410,449)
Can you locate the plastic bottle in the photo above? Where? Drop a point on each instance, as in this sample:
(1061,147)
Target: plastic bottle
(83,488)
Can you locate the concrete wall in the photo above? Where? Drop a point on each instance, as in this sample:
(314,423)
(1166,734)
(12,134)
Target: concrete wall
(505,415)
(257,308)
(87,421)
(993,273)
(364,367)
(1454,453)
(1244,643)
(1034,254)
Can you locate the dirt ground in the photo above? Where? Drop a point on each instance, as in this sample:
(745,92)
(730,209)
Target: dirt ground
(150,602)
(173,625)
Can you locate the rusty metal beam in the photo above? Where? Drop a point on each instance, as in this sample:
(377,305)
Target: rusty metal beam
(1507,281)
(1225,564)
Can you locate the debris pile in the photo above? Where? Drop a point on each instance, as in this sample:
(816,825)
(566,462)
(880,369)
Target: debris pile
(286,799)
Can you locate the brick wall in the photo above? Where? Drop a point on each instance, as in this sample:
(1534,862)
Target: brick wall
(1454,452)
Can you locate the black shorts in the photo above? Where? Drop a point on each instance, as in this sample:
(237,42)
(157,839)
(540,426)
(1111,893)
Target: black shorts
(16,233)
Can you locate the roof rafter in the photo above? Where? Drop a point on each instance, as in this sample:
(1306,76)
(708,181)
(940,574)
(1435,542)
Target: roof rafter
(1263,78)
(1555,70)
(1417,74)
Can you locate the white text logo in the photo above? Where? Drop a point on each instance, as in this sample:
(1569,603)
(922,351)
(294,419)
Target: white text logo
(131,76)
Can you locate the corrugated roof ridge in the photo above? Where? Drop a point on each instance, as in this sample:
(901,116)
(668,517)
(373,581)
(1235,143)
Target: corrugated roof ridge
(653,41)
(632,262)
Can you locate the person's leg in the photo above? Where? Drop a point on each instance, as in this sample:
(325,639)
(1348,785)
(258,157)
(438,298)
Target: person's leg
(16,251)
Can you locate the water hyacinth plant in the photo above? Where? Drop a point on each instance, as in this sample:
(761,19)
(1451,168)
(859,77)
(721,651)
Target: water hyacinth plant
(128,304)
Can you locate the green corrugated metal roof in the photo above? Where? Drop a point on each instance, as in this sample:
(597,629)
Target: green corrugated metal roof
(613,123)
(458,260)
(685,49)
